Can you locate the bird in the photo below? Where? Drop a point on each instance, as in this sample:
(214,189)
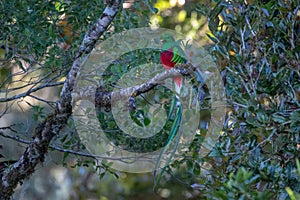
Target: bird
(172,55)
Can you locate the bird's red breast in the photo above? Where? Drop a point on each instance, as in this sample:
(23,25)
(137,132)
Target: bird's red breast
(166,58)
(166,61)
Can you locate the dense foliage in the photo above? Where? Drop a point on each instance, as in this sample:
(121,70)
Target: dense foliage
(256,47)
(257,50)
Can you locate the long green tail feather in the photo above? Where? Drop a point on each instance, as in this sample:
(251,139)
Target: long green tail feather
(173,106)
(174,130)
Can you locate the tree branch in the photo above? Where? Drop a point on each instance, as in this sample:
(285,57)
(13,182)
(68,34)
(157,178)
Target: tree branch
(18,96)
(123,159)
(105,99)
(53,124)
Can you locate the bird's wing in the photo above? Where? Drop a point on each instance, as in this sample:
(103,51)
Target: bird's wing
(178,55)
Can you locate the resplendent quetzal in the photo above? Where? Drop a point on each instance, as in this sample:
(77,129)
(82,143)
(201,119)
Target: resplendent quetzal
(170,56)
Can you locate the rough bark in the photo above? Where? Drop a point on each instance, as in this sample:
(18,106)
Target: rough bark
(105,99)
(53,124)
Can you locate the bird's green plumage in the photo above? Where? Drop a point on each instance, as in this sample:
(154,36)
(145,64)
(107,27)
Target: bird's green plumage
(174,131)
(177,56)
(170,43)
(171,55)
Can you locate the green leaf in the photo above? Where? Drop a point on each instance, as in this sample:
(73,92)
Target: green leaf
(197,169)
(27,32)
(278,118)
(292,195)
(212,38)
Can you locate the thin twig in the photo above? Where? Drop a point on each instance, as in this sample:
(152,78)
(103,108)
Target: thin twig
(18,96)
(77,153)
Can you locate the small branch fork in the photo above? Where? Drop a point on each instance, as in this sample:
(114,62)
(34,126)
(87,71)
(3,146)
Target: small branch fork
(55,122)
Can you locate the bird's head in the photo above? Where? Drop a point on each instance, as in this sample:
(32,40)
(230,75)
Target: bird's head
(165,38)
(167,41)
